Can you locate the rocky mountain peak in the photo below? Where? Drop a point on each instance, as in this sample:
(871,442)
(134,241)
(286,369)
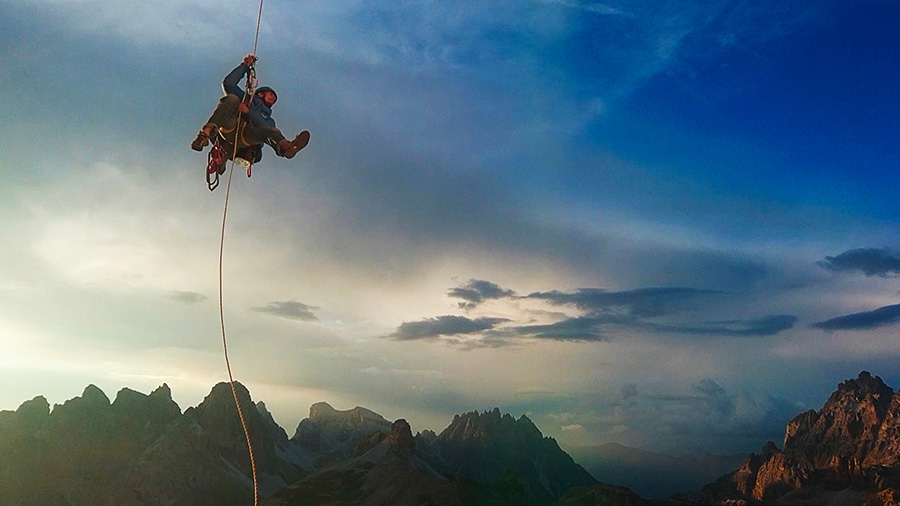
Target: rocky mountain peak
(140,408)
(321,410)
(486,447)
(221,395)
(400,439)
(35,409)
(162,392)
(769,449)
(489,424)
(852,418)
(30,416)
(864,384)
(330,433)
(93,396)
(83,410)
(848,444)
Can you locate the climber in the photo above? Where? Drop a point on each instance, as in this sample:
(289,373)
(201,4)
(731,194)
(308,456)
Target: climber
(257,125)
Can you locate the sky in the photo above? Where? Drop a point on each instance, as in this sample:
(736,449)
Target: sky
(669,225)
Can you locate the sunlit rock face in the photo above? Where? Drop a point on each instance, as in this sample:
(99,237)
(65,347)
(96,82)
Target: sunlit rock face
(849,450)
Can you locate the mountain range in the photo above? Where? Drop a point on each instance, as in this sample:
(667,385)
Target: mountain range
(143,450)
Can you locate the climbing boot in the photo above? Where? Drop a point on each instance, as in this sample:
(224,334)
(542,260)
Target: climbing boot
(288,148)
(202,139)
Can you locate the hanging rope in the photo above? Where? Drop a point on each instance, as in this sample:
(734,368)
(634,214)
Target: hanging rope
(225,346)
(258,19)
(251,83)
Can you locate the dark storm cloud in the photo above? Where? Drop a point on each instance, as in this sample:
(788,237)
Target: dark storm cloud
(865,320)
(477,291)
(759,327)
(290,310)
(643,303)
(186,297)
(870,261)
(448,325)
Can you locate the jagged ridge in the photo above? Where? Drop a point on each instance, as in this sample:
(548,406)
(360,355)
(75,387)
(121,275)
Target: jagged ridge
(849,450)
(142,450)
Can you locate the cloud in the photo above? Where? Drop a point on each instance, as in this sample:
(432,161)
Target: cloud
(644,302)
(870,261)
(186,297)
(290,310)
(865,320)
(699,413)
(715,396)
(596,8)
(600,310)
(765,326)
(581,328)
(448,325)
(169,22)
(477,291)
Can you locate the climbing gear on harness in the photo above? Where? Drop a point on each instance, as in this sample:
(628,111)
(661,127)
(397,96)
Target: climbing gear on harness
(215,165)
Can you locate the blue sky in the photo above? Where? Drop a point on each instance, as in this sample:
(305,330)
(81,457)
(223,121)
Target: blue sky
(666,225)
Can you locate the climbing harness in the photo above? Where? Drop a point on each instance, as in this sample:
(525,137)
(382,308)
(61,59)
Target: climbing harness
(215,165)
(218,158)
(217,161)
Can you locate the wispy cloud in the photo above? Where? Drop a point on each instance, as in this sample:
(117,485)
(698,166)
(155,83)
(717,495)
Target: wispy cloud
(477,291)
(870,261)
(587,315)
(290,310)
(169,22)
(643,303)
(449,325)
(596,8)
(582,328)
(865,320)
(186,297)
(758,327)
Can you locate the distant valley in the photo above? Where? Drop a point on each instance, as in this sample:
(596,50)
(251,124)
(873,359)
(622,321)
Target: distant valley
(650,474)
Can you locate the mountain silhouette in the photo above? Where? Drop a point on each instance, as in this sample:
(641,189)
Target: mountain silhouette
(142,450)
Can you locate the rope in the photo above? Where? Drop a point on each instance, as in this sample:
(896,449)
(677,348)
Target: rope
(258,19)
(225,345)
(250,84)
